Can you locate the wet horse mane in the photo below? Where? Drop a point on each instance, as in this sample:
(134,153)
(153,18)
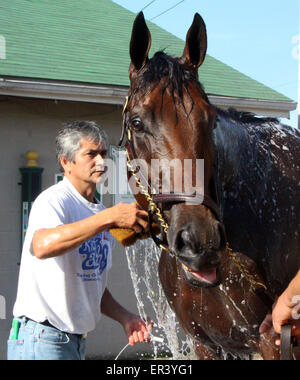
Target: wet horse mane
(245,117)
(247,121)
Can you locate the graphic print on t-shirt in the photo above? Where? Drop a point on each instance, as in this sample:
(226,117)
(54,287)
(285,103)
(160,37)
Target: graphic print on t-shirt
(95,253)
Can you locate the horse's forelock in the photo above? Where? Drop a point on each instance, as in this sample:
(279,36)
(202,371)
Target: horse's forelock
(175,76)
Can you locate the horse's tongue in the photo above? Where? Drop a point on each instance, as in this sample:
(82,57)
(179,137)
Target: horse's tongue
(209,275)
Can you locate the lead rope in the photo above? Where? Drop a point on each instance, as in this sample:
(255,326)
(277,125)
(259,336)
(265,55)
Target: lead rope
(254,285)
(153,206)
(244,271)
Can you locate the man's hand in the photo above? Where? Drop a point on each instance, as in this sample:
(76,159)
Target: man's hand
(130,216)
(136,329)
(283,313)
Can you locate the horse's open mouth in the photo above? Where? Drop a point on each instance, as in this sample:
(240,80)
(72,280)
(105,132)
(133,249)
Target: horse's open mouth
(206,278)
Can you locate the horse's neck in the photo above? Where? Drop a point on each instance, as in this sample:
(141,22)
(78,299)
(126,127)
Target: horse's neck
(245,157)
(235,171)
(241,160)
(257,180)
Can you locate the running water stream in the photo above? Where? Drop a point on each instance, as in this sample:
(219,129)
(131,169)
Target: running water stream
(143,259)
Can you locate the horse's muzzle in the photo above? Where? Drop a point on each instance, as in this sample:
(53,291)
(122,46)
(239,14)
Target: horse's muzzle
(198,240)
(203,269)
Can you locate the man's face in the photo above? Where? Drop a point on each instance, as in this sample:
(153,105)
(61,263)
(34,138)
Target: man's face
(88,165)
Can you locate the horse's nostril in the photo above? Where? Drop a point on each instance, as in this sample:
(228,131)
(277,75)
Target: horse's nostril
(182,240)
(190,239)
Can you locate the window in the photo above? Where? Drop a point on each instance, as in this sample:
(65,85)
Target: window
(2,308)
(121,190)
(2,47)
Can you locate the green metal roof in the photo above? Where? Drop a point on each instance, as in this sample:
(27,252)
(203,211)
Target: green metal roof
(88,41)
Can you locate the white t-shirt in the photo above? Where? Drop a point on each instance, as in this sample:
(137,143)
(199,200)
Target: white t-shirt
(64,290)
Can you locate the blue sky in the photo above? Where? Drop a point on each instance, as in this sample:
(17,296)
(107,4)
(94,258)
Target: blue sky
(256,37)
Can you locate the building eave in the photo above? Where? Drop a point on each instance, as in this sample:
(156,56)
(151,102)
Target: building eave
(272,108)
(104,94)
(58,90)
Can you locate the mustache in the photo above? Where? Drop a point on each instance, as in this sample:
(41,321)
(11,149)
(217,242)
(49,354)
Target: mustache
(100,168)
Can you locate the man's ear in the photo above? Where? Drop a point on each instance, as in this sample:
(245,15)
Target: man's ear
(140,44)
(196,44)
(66,165)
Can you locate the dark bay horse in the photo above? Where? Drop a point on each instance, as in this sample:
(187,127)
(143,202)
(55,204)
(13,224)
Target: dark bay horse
(251,199)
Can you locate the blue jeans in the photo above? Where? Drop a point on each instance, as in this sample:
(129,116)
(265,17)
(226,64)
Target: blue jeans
(38,342)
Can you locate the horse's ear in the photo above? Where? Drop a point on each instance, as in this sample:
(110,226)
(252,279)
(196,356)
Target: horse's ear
(140,43)
(196,43)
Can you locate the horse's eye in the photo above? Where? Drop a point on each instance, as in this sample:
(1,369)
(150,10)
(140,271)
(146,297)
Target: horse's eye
(137,125)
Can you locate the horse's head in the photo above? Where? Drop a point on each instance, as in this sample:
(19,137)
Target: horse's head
(171,119)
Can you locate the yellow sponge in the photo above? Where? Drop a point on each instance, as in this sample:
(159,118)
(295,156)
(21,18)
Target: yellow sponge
(128,237)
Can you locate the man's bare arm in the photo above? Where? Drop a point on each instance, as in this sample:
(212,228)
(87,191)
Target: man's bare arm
(136,330)
(53,242)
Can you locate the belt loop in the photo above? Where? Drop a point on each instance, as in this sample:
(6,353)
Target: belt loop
(23,321)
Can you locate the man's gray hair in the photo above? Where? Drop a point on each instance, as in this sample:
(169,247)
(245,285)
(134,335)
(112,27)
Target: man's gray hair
(69,138)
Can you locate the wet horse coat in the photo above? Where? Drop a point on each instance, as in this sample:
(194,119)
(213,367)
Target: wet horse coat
(251,173)
(258,171)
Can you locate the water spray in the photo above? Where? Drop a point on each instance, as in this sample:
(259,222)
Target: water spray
(153,339)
